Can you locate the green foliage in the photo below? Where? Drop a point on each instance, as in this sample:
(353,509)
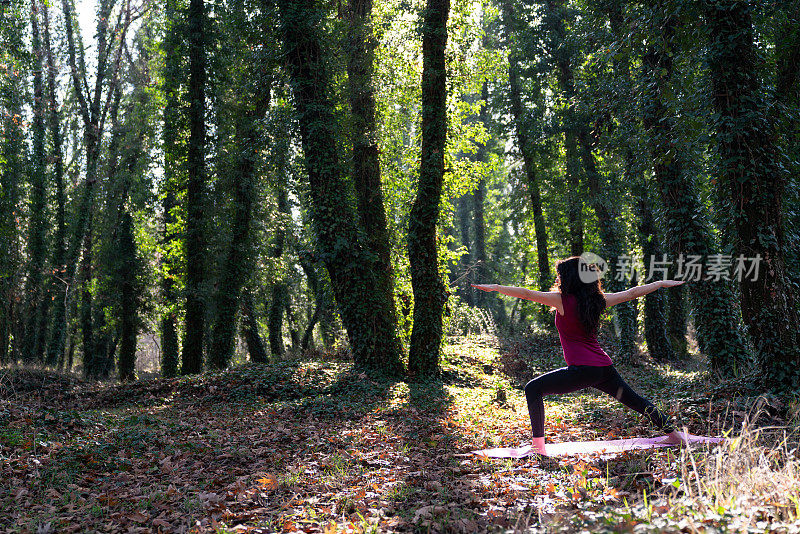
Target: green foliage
(460,319)
(618,120)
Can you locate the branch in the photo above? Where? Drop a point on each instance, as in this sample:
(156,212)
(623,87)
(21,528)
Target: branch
(103,52)
(117,62)
(72,63)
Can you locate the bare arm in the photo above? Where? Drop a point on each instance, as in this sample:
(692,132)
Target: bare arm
(638,291)
(548,298)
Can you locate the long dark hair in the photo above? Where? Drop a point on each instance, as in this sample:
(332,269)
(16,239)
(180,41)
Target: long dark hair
(591,301)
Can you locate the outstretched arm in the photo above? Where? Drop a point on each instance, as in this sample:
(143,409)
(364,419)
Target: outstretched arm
(548,298)
(638,291)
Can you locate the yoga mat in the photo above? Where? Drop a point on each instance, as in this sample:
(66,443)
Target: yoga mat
(590,447)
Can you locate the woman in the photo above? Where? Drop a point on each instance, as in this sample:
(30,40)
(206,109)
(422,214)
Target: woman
(578,305)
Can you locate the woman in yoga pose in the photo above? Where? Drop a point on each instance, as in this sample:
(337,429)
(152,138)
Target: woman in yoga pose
(578,305)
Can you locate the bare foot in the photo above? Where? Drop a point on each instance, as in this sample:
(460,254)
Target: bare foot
(677,438)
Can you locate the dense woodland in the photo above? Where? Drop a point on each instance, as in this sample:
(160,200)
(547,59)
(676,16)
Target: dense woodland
(238,241)
(245,179)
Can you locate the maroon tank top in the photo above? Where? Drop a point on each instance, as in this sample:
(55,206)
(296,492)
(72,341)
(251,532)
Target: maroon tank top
(579,347)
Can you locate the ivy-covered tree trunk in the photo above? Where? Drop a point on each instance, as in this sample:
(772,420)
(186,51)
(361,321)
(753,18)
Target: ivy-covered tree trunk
(307,341)
(786,113)
(655,333)
(574,200)
(678,321)
(366,160)
(125,264)
(526,151)
(92,111)
(292,324)
(429,291)
(11,176)
(280,292)
(752,171)
(104,348)
(313,284)
(195,240)
(252,338)
(633,175)
(323,312)
(34,284)
(128,306)
(687,232)
(237,262)
(277,305)
(787,58)
(59,238)
(611,245)
(79,230)
(563,54)
(367,318)
(90,363)
(173,149)
(105,270)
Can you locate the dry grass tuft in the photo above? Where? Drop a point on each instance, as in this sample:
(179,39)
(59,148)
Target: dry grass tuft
(756,474)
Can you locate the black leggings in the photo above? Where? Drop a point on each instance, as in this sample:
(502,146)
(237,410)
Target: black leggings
(576,377)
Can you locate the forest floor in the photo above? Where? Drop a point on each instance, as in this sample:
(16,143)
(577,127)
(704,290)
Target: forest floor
(310,445)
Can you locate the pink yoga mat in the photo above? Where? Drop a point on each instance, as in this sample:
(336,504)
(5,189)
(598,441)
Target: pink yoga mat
(589,447)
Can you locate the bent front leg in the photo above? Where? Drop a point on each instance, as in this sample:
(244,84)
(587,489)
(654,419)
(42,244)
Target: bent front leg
(564,380)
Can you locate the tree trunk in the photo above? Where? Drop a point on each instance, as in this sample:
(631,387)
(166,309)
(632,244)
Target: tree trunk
(786,113)
(322,311)
(90,363)
(128,308)
(109,259)
(560,51)
(127,268)
(255,346)
(280,292)
(429,291)
(236,264)
(647,233)
(192,356)
(277,304)
(752,171)
(678,321)
(366,317)
(716,323)
(611,246)
(71,354)
(655,334)
(59,246)
(102,356)
(787,53)
(366,160)
(308,335)
(292,325)
(11,176)
(173,149)
(34,285)
(92,112)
